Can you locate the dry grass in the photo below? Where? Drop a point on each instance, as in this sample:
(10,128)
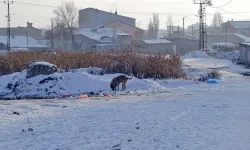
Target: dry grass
(142,66)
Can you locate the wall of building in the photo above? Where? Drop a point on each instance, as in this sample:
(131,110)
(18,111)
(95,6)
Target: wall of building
(3,46)
(30,31)
(163,48)
(184,46)
(83,42)
(244,55)
(92,18)
(228,28)
(230,38)
(137,34)
(123,40)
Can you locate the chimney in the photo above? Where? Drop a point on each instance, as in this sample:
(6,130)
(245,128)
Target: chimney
(29,25)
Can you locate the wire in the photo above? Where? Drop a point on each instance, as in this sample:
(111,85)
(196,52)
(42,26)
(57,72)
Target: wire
(224,4)
(33,4)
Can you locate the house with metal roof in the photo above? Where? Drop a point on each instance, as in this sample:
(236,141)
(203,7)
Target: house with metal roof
(22,43)
(240,27)
(162,46)
(89,37)
(93,18)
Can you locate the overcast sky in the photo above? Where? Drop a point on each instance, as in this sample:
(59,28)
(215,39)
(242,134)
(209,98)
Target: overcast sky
(140,9)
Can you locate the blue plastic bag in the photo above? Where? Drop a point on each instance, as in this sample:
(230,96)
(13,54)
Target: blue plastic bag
(213,81)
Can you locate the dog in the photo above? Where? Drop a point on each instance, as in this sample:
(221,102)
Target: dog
(114,85)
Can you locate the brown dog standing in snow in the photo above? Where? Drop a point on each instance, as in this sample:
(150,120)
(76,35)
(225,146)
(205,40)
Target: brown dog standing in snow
(120,79)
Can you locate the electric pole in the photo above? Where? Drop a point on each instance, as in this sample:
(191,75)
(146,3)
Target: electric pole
(192,32)
(8,23)
(52,34)
(202,14)
(184,27)
(226,30)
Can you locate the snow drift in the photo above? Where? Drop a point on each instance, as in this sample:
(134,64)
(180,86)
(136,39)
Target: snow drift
(91,81)
(196,54)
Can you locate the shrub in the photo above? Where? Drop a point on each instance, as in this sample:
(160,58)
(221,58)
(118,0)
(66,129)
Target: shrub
(127,62)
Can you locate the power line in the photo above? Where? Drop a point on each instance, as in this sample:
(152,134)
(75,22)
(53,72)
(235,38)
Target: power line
(129,12)
(224,4)
(33,4)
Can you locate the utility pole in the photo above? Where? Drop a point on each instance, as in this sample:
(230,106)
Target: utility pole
(52,34)
(178,31)
(8,23)
(203,4)
(183,32)
(27,39)
(192,32)
(226,31)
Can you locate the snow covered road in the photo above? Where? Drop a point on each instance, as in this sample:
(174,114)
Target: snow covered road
(202,117)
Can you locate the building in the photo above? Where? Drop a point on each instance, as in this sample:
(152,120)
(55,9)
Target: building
(87,37)
(240,27)
(158,46)
(233,38)
(23,31)
(174,31)
(137,33)
(22,43)
(184,46)
(93,18)
(245,54)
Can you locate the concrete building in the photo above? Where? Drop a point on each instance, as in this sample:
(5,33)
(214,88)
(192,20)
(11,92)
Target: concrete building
(23,31)
(240,27)
(93,18)
(184,45)
(22,43)
(245,54)
(87,38)
(233,38)
(158,46)
(137,33)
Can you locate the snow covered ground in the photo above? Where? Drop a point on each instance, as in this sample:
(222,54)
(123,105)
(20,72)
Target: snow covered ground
(201,116)
(80,81)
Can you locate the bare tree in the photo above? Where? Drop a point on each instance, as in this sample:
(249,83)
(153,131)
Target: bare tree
(153,27)
(156,22)
(150,31)
(217,19)
(66,19)
(170,25)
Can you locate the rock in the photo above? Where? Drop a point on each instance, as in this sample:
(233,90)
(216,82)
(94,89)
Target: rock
(30,129)
(40,68)
(16,113)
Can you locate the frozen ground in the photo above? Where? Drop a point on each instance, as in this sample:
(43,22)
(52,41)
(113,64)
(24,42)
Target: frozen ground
(75,83)
(198,117)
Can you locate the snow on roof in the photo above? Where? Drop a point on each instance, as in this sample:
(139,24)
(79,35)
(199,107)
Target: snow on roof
(157,41)
(235,34)
(223,44)
(240,24)
(99,33)
(21,42)
(247,44)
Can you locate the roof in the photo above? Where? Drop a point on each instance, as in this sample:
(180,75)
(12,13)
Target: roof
(21,42)
(157,41)
(100,34)
(121,22)
(106,12)
(235,34)
(240,24)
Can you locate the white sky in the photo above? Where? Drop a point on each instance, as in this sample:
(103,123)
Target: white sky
(140,9)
